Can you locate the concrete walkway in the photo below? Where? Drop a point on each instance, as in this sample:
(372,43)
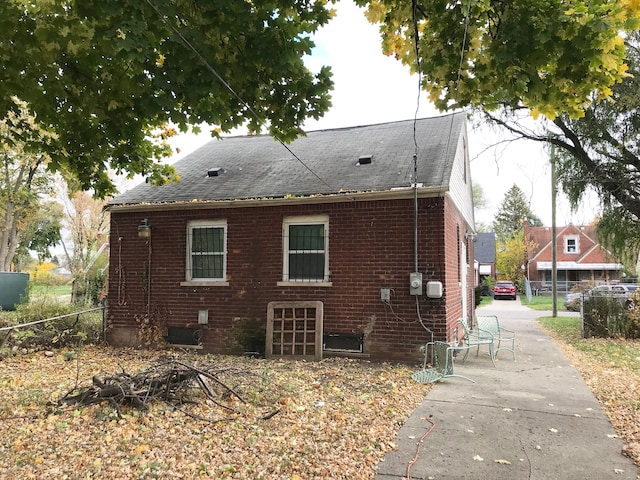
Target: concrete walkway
(533,418)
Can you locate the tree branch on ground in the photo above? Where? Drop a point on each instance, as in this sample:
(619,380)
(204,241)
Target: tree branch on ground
(174,382)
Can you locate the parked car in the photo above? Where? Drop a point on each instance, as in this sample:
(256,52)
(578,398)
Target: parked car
(618,290)
(504,289)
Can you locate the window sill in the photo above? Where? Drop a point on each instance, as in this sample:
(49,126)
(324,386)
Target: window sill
(200,283)
(186,346)
(304,284)
(344,353)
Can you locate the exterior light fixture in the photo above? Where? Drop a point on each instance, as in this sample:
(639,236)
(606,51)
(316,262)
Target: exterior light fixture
(144,229)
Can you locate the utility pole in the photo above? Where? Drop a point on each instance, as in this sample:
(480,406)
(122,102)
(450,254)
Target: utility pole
(554,258)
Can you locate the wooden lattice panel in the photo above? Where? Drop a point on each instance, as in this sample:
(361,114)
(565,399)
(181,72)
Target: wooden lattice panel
(294,329)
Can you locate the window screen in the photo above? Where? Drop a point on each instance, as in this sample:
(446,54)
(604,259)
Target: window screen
(306,249)
(207,252)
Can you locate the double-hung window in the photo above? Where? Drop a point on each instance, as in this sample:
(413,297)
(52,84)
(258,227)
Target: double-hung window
(207,251)
(306,249)
(571,244)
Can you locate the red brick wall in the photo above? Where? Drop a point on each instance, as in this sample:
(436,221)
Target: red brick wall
(455,231)
(371,247)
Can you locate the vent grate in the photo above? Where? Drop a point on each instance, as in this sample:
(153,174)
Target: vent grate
(365,159)
(343,342)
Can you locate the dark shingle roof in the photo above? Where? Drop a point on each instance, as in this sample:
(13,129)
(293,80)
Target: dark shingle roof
(484,247)
(260,167)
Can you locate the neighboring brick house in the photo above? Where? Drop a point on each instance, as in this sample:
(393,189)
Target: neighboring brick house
(579,258)
(313,253)
(484,246)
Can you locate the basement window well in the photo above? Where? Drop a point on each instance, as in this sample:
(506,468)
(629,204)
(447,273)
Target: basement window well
(183,336)
(342,342)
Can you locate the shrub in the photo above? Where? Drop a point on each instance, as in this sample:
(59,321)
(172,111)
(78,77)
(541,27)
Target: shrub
(91,288)
(611,316)
(248,335)
(632,326)
(581,287)
(44,274)
(478,294)
(488,282)
(70,330)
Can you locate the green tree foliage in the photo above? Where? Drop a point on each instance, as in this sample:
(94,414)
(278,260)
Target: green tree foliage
(601,152)
(86,223)
(513,210)
(23,184)
(510,257)
(548,56)
(479,199)
(574,62)
(109,76)
(479,203)
(42,232)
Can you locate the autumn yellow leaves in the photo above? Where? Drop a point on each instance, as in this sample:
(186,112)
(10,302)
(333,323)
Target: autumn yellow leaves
(337,418)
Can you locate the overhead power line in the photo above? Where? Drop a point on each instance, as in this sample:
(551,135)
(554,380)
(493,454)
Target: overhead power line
(208,66)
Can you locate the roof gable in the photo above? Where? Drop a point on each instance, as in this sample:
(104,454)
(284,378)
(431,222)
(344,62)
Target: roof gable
(589,251)
(597,254)
(484,247)
(254,167)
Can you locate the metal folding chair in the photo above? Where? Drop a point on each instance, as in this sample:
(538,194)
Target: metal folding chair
(501,335)
(443,364)
(476,338)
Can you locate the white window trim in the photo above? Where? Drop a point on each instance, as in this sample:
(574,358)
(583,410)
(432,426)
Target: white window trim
(190,281)
(566,243)
(304,220)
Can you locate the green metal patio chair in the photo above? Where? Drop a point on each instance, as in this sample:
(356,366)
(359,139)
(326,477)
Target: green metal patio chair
(475,338)
(501,335)
(443,364)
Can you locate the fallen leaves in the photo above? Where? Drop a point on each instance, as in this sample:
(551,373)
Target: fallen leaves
(337,419)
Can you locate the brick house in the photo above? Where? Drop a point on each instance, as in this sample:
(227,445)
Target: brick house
(257,250)
(579,257)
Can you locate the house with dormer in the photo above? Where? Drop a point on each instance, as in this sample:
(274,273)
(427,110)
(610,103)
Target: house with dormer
(579,258)
(354,241)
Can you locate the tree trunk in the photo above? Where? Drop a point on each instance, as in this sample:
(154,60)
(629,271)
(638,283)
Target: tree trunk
(17,203)
(10,237)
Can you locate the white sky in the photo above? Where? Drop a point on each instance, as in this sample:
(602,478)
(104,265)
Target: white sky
(373,88)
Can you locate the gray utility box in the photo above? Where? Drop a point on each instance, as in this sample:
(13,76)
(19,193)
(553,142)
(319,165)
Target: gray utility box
(14,288)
